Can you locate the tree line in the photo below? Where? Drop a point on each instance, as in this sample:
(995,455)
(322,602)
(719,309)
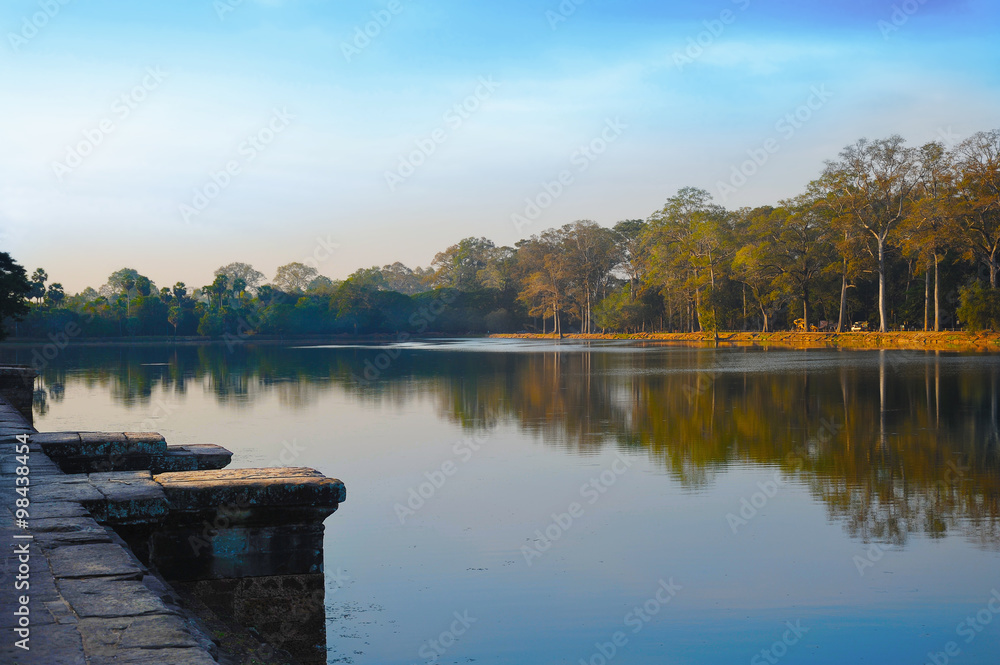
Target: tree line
(888,236)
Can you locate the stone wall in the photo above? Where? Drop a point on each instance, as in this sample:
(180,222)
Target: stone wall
(17,383)
(190,567)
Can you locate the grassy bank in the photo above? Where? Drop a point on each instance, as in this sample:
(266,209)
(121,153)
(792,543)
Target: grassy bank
(942,341)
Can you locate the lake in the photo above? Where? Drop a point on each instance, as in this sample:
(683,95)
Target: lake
(515,501)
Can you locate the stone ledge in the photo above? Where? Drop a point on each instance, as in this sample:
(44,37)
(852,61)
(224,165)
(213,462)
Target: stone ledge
(128,498)
(286,487)
(109,597)
(93,560)
(190,656)
(108,636)
(94,452)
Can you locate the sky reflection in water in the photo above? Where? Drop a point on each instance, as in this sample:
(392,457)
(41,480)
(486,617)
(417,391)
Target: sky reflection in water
(853,494)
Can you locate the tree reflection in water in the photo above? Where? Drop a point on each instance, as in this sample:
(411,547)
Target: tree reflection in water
(915,436)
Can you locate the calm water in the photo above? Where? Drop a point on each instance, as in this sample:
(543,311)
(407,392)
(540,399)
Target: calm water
(630,503)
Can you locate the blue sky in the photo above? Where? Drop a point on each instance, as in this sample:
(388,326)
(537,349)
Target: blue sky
(329,121)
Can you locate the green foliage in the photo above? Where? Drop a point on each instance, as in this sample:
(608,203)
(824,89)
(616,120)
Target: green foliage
(979,307)
(14,289)
(858,243)
(621,311)
(212,324)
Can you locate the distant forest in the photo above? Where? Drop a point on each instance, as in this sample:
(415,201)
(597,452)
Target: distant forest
(887,237)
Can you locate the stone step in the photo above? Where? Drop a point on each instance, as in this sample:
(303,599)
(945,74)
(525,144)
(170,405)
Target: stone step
(90,452)
(285,487)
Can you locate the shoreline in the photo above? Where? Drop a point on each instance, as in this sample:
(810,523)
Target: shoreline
(231,341)
(982,342)
(987,342)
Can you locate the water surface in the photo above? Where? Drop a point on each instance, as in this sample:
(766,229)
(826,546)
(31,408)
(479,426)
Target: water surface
(607,501)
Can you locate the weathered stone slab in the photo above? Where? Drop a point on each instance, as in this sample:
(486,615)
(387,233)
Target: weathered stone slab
(56,539)
(42,588)
(60,611)
(91,463)
(251,487)
(56,532)
(148,656)
(58,443)
(78,452)
(129,498)
(108,597)
(132,476)
(120,443)
(102,437)
(76,523)
(93,560)
(192,457)
(66,488)
(41,465)
(154,439)
(51,644)
(57,509)
(108,636)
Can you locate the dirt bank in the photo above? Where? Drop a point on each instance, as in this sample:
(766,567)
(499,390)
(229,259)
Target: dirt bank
(943,341)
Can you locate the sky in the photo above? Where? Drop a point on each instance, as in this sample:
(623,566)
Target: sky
(177,137)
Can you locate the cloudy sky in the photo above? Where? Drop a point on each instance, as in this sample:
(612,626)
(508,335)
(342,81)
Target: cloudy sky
(175,137)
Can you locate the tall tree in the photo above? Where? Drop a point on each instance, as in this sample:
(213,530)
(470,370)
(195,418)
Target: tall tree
(802,249)
(755,263)
(14,290)
(294,277)
(402,279)
(217,291)
(458,266)
(250,278)
(690,239)
(978,162)
(144,286)
(628,235)
(931,227)
(54,295)
(546,282)
(588,253)
(38,279)
(874,182)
